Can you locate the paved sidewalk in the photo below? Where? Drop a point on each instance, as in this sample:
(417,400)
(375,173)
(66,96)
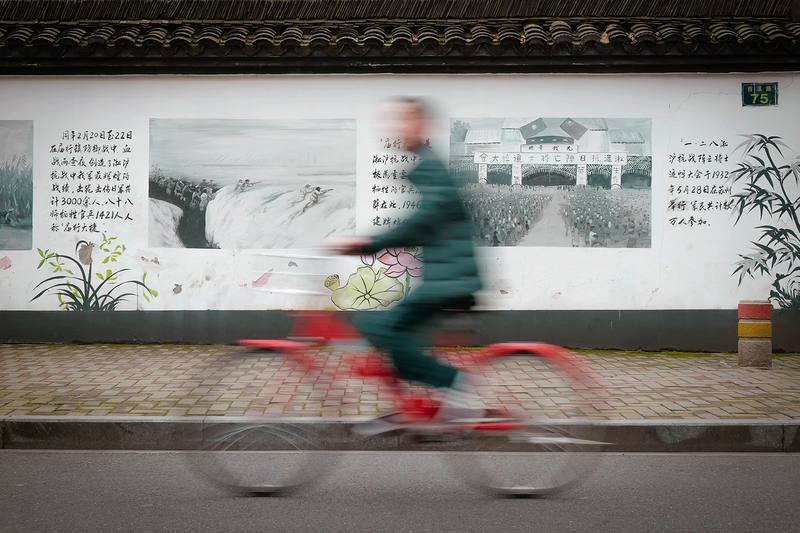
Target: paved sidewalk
(192,381)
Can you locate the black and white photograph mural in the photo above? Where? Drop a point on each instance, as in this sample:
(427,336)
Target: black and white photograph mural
(580,182)
(16,184)
(259,184)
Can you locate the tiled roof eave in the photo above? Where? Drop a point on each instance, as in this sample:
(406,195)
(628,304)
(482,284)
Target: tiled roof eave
(431,45)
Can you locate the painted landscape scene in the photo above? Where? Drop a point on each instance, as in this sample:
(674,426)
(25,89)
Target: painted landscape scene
(251,184)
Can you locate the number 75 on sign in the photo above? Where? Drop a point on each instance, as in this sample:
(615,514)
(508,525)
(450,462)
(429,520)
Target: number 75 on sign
(759,94)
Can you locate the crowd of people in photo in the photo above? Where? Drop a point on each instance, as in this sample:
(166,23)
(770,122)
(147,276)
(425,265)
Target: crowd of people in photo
(502,215)
(183,193)
(192,198)
(616,218)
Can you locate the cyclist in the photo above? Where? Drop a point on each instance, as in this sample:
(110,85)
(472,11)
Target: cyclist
(441,226)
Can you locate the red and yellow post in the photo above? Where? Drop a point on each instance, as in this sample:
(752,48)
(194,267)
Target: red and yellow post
(755,333)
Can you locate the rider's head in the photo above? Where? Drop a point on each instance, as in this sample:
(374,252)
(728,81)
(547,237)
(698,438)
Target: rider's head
(407,119)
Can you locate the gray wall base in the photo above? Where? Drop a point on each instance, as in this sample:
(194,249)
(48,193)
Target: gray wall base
(682,330)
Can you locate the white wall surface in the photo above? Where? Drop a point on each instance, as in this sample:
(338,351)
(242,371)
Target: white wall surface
(686,267)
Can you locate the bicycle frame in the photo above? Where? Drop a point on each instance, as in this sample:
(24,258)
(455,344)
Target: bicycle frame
(317,329)
(548,449)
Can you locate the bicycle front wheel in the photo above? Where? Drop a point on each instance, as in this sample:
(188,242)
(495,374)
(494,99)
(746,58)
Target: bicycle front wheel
(532,459)
(543,440)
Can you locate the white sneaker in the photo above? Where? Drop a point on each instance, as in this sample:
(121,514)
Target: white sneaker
(462,402)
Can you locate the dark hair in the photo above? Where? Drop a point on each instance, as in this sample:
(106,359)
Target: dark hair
(424,105)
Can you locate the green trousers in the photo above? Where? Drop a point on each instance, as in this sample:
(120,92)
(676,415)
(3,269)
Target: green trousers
(397,331)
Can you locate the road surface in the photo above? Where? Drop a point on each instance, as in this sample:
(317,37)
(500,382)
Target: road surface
(369,492)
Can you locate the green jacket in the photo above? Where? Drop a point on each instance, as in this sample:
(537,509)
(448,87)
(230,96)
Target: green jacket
(441,226)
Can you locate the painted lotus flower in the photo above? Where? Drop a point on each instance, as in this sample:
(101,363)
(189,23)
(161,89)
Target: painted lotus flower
(366,289)
(402,261)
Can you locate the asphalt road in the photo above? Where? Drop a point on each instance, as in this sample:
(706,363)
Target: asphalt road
(371,491)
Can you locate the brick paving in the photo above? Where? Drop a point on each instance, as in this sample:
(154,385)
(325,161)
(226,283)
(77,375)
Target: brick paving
(177,380)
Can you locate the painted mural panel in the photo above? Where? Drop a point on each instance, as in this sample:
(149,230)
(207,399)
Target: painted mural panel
(212,192)
(232,184)
(16,184)
(579,182)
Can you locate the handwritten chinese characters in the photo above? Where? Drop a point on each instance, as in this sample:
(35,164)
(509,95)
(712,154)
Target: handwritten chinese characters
(90,182)
(697,183)
(393,196)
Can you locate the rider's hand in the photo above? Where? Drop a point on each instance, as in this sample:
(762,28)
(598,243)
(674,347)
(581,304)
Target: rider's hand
(347,245)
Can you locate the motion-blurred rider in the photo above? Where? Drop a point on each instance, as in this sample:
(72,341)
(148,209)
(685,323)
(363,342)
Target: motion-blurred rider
(442,227)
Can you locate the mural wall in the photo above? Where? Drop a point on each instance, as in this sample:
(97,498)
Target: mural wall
(194,193)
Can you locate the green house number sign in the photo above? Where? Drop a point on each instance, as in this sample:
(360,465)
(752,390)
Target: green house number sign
(759,94)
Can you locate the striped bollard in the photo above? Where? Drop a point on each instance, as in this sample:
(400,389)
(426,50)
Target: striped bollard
(755,333)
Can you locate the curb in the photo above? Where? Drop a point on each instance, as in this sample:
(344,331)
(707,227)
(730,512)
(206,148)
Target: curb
(189,433)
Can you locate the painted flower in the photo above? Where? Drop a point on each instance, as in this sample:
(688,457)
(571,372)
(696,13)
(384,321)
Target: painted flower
(367,289)
(85,252)
(402,261)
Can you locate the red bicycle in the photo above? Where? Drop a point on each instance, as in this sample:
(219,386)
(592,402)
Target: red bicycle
(534,439)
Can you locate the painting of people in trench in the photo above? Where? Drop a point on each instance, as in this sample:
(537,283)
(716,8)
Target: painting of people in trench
(570,181)
(258,184)
(16,184)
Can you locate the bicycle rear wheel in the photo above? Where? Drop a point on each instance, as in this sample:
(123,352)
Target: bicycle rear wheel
(262,457)
(258,454)
(543,440)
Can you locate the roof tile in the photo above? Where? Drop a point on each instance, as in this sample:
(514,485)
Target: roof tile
(643,32)
(320,36)
(375,33)
(155,35)
(535,34)
(237,35)
(454,33)
(74,35)
(480,34)
(589,33)
(698,33)
(561,32)
(19,35)
(263,35)
(775,32)
(292,33)
(347,35)
(402,33)
(723,33)
(617,34)
(100,35)
(47,35)
(748,32)
(427,34)
(181,34)
(508,33)
(670,32)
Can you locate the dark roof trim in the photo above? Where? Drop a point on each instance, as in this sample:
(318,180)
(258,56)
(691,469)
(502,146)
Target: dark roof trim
(502,45)
(271,10)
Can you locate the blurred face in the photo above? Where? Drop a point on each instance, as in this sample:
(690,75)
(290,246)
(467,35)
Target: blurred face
(404,121)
